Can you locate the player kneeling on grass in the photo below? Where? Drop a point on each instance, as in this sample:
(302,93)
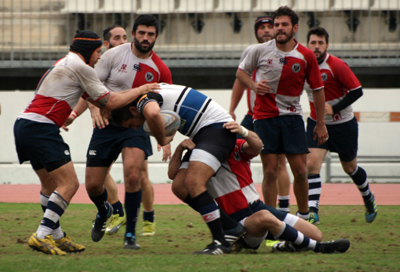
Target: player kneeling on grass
(234,191)
(38,139)
(202,120)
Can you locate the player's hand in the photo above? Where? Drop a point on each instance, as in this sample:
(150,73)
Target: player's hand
(328,109)
(97,118)
(150,87)
(321,134)
(233,126)
(187,144)
(262,87)
(106,114)
(69,120)
(166,152)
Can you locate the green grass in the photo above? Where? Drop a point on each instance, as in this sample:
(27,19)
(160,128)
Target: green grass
(374,247)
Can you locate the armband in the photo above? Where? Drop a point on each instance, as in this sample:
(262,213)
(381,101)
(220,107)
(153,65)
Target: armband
(245,132)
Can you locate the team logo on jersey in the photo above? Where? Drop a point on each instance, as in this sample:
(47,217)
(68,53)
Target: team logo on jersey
(123,68)
(137,67)
(324,76)
(282,60)
(296,68)
(149,77)
(270,61)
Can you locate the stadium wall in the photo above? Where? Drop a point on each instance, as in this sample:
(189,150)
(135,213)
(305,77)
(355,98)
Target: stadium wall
(379,132)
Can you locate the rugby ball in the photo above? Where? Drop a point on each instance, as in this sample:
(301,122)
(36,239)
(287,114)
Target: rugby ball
(172,122)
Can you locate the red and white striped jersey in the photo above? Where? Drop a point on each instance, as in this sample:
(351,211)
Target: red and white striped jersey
(233,187)
(60,88)
(338,81)
(120,69)
(250,94)
(286,72)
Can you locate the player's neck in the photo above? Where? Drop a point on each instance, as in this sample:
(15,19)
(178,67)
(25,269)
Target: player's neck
(286,47)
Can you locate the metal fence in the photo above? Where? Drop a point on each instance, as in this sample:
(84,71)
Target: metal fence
(197,33)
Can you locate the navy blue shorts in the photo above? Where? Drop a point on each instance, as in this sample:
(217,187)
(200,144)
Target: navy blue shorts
(343,139)
(282,135)
(107,143)
(255,207)
(214,139)
(41,144)
(248,122)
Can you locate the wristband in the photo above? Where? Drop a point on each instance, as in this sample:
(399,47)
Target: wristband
(245,132)
(74,114)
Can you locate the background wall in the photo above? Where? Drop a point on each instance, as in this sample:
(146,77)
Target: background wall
(378,137)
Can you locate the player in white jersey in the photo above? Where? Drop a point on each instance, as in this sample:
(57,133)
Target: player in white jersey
(38,139)
(233,189)
(202,120)
(264,31)
(283,65)
(342,89)
(127,65)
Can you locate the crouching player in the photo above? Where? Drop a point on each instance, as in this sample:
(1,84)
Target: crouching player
(234,191)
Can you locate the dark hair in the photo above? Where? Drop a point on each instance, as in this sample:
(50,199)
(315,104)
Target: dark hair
(120,115)
(320,32)
(107,32)
(286,11)
(147,20)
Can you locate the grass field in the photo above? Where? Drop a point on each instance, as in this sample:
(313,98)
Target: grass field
(374,247)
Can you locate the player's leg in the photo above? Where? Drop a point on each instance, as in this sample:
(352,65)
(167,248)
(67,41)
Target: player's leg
(269,132)
(133,159)
(297,164)
(149,226)
(262,222)
(283,181)
(294,143)
(118,218)
(347,147)
(314,163)
(213,145)
(269,185)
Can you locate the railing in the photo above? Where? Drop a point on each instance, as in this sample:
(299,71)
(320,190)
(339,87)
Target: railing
(197,33)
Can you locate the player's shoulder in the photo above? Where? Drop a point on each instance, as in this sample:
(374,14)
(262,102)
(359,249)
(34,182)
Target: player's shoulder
(304,50)
(335,60)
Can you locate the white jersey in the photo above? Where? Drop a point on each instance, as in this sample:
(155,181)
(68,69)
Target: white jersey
(120,69)
(251,95)
(286,72)
(195,109)
(60,88)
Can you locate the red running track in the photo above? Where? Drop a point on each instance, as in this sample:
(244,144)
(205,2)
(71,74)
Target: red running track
(332,194)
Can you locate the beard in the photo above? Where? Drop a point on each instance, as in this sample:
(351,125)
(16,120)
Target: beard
(321,57)
(288,37)
(139,46)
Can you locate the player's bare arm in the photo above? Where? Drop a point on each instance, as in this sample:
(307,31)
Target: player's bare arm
(260,87)
(320,131)
(152,114)
(253,143)
(237,93)
(175,162)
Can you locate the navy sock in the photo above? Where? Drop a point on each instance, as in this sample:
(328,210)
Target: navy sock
(118,209)
(132,207)
(208,208)
(100,202)
(359,177)
(227,222)
(148,216)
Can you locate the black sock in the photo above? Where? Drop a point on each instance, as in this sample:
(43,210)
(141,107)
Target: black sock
(132,207)
(209,210)
(100,202)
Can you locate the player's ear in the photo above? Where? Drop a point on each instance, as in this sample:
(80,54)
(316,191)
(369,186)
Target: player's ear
(106,44)
(133,110)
